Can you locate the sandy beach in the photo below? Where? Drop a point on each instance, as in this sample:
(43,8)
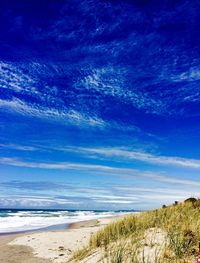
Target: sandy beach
(49,246)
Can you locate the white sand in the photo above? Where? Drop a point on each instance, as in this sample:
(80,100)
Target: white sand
(152,245)
(58,246)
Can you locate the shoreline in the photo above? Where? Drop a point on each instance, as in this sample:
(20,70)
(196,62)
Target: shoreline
(58,227)
(49,246)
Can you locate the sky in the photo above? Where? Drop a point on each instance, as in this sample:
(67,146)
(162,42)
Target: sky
(99,103)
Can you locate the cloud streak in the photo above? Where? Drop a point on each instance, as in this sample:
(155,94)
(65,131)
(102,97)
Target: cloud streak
(100,169)
(33,201)
(18,147)
(141,156)
(65,117)
(72,194)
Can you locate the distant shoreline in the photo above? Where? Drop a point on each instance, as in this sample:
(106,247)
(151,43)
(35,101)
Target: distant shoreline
(59,227)
(27,221)
(56,227)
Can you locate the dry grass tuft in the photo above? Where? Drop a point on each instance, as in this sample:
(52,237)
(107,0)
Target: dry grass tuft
(123,240)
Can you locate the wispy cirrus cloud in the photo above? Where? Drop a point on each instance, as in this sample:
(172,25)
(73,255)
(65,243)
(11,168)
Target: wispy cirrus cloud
(127,81)
(141,156)
(100,169)
(192,74)
(92,196)
(17,147)
(33,201)
(65,116)
(112,81)
(14,79)
(130,190)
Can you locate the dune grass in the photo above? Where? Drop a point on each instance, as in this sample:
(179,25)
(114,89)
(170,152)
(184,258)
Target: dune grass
(124,240)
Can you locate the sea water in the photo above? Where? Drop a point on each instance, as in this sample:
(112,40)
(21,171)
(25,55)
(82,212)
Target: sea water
(14,220)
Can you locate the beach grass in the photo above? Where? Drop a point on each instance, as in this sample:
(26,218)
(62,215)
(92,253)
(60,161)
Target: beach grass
(170,235)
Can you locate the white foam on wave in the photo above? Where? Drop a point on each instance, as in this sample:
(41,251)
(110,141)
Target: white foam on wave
(29,220)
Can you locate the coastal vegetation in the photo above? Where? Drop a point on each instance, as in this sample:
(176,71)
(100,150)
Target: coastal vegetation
(168,235)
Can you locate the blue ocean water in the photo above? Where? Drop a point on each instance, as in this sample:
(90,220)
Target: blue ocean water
(14,220)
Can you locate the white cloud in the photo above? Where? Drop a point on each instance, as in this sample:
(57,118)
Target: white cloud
(17,147)
(158,190)
(112,81)
(65,116)
(34,201)
(115,201)
(59,166)
(142,156)
(100,169)
(192,74)
(11,77)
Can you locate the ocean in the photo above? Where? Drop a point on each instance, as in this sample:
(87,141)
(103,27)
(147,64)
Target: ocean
(14,220)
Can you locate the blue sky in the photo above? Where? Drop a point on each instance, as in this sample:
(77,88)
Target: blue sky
(99,103)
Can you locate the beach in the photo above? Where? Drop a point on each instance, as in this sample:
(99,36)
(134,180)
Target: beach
(49,246)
